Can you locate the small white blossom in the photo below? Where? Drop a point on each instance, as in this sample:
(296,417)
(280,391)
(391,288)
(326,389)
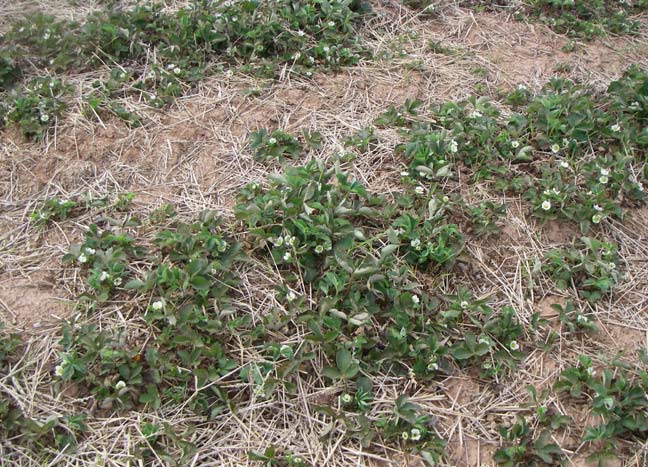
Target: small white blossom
(58,371)
(454,147)
(157,306)
(117,281)
(445,199)
(555,191)
(415,299)
(616,128)
(514,345)
(611,265)
(640,187)
(605,172)
(564,164)
(120,385)
(346,398)
(416,243)
(326,49)
(290,296)
(82,258)
(272,141)
(319,249)
(555,148)
(590,371)
(582,319)
(597,218)
(46,35)
(287,256)
(597,208)
(290,240)
(416,434)
(464,304)
(301,33)
(515,143)
(44,118)
(404,173)
(331,24)
(103,276)
(546,205)
(405,435)
(277,241)
(433,366)
(603,179)
(419,190)
(90,251)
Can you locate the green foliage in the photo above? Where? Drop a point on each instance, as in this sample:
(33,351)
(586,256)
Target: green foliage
(275,145)
(190,43)
(38,106)
(588,18)
(53,209)
(591,266)
(617,396)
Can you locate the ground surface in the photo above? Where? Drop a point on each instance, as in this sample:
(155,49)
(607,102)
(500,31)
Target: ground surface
(194,156)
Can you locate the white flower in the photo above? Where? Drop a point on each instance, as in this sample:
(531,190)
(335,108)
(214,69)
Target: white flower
(454,147)
(58,371)
(590,371)
(272,141)
(514,345)
(547,192)
(555,148)
(611,265)
(82,258)
(117,282)
(277,241)
(546,205)
(319,249)
(404,173)
(416,243)
(290,296)
(445,199)
(582,319)
(597,207)
(515,143)
(522,87)
(346,398)
(605,172)
(475,114)
(157,306)
(229,73)
(597,218)
(555,191)
(46,35)
(297,55)
(419,190)
(415,299)
(331,24)
(616,128)
(309,73)
(416,434)
(464,304)
(433,366)
(290,240)
(640,186)
(564,164)
(326,49)
(90,251)
(44,118)
(120,385)
(405,435)
(603,179)
(177,71)
(287,256)
(311,59)
(103,276)
(301,33)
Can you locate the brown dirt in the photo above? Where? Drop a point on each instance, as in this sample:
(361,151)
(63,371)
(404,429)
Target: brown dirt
(30,305)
